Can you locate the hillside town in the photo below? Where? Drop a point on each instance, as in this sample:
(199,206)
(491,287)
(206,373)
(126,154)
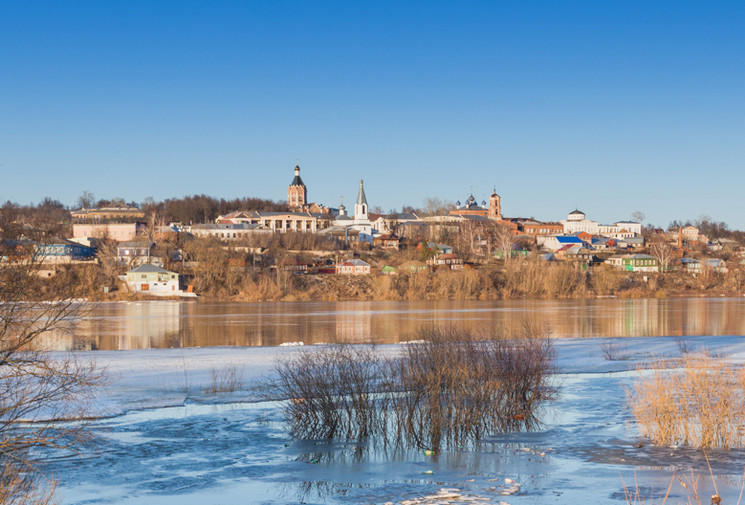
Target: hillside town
(136,252)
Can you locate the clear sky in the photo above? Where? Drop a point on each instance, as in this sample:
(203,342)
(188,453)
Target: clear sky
(612,107)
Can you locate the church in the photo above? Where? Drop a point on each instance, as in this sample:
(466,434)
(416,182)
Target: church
(472,208)
(360,222)
(340,220)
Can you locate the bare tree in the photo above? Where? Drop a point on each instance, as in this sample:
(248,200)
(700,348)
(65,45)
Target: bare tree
(663,252)
(35,385)
(86,200)
(436,206)
(505,240)
(638,216)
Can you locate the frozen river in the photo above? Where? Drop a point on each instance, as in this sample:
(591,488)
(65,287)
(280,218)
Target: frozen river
(166,324)
(165,440)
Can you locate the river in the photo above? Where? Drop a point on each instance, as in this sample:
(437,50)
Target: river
(172,324)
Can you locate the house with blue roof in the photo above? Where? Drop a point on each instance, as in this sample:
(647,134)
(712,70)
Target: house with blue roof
(556,242)
(63,251)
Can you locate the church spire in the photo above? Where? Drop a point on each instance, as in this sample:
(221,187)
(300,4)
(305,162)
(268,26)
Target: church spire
(360,208)
(361,198)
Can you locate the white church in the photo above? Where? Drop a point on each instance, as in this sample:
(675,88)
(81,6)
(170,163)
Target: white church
(360,222)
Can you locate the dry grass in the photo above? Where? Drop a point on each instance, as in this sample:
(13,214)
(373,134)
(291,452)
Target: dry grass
(701,405)
(536,278)
(690,482)
(225,380)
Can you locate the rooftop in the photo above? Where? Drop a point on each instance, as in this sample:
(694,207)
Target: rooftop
(149,269)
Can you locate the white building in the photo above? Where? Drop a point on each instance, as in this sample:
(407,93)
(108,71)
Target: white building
(153,280)
(577,222)
(388,223)
(276,221)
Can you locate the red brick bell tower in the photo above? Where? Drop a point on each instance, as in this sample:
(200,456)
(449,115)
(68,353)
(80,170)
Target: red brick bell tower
(495,206)
(297,193)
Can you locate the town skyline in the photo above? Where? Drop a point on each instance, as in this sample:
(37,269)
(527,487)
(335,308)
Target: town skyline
(474,195)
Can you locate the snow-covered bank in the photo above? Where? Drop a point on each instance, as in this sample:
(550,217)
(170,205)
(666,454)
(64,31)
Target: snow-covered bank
(153,378)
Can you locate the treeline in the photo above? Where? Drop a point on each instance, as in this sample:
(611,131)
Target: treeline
(50,213)
(49,218)
(712,229)
(204,208)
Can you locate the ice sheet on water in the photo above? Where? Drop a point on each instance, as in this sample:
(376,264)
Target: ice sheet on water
(218,445)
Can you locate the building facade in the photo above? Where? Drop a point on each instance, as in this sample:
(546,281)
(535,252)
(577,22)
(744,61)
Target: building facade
(277,221)
(353,267)
(63,251)
(115,231)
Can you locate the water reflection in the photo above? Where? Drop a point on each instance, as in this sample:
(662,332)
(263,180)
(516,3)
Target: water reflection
(160,324)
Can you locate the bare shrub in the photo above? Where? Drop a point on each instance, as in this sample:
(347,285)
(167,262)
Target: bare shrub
(682,345)
(450,388)
(701,405)
(331,392)
(36,388)
(610,349)
(225,380)
(460,389)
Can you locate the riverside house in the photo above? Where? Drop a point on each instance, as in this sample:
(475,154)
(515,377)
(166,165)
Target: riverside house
(153,280)
(634,263)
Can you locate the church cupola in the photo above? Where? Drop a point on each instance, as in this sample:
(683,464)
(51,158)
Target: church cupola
(342,208)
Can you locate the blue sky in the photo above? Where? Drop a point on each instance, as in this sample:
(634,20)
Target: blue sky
(609,107)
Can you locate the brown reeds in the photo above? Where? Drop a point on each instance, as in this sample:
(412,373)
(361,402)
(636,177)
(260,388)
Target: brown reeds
(537,278)
(701,405)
